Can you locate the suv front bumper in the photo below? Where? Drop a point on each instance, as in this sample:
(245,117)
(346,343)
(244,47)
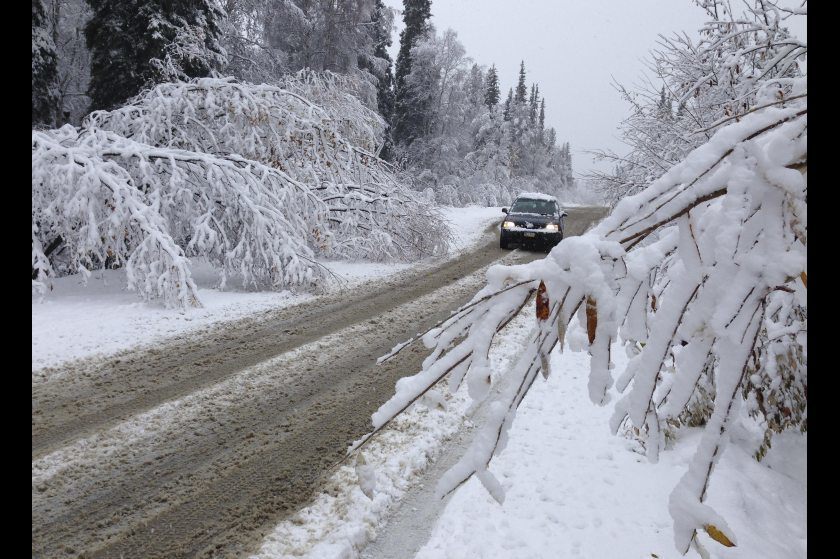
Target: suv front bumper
(536,237)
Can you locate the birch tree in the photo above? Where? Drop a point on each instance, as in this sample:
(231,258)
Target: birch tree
(702,276)
(740,62)
(258,179)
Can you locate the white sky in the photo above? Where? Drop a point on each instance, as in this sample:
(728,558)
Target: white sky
(573,49)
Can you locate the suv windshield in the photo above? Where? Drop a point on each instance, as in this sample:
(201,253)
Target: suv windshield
(529,206)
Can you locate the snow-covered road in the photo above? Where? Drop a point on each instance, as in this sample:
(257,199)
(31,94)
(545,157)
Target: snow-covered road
(200,444)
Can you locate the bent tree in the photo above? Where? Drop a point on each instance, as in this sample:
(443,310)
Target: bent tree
(702,276)
(259,180)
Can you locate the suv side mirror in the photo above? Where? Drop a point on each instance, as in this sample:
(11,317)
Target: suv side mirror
(563,214)
(504,210)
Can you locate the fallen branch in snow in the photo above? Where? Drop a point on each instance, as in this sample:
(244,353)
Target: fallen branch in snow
(313,130)
(720,239)
(149,208)
(385,421)
(455,315)
(754,109)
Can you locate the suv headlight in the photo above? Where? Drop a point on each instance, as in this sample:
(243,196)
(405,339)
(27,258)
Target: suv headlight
(508,225)
(553,227)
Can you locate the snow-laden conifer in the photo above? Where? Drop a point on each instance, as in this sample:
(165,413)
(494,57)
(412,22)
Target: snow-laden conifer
(45,101)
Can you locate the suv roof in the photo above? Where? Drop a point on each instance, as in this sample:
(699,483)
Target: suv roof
(536,196)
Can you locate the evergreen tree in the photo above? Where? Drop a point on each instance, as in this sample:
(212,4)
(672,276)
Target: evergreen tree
(551,138)
(533,103)
(44,70)
(408,113)
(491,96)
(385,86)
(475,86)
(135,43)
(664,105)
(521,89)
(508,101)
(542,116)
(568,156)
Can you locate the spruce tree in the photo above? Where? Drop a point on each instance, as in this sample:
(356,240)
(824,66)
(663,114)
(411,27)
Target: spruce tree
(521,89)
(551,138)
(491,95)
(44,70)
(385,87)
(567,152)
(533,104)
(475,87)
(408,114)
(508,102)
(126,36)
(664,105)
(542,115)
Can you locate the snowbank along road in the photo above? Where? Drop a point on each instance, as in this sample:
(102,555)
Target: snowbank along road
(199,446)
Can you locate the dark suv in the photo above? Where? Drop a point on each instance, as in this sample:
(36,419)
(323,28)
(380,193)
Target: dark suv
(533,220)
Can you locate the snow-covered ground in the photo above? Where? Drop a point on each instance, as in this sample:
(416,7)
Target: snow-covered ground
(76,321)
(575,490)
(342,520)
(572,488)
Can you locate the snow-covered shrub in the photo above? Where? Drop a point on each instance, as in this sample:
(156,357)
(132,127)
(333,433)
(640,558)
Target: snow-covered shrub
(330,150)
(776,384)
(112,200)
(689,273)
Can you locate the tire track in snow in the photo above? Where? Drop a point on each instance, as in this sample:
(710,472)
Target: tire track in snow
(86,396)
(234,449)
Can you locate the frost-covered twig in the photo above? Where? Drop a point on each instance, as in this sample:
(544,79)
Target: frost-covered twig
(457,315)
(449,362)
(738,65)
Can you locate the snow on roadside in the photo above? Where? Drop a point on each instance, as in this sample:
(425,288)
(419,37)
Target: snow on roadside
(76,321)
(467,224)
(575,490)
(342,520)
(572,488)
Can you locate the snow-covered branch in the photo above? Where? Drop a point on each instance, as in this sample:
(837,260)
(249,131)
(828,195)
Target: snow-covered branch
(689,271)
(117,202)
(316,131)
(258,179)
(738,65)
